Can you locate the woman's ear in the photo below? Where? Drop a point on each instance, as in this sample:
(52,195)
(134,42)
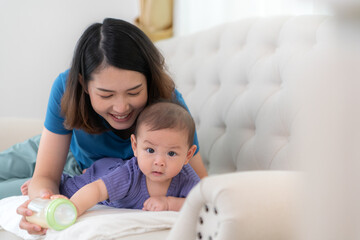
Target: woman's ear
(190,153)
(133,144)
(83,84)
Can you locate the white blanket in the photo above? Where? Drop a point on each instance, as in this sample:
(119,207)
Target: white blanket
(100,222)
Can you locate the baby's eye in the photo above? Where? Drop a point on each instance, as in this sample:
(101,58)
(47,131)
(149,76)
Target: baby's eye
(150,150)
(172,154)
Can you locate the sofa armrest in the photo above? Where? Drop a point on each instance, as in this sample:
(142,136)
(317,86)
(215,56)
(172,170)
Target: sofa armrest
(15,130)
(243,205)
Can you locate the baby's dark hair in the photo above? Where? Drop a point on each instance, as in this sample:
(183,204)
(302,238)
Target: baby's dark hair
(166,114)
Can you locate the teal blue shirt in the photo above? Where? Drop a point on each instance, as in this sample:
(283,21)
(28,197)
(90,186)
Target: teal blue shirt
(86,147)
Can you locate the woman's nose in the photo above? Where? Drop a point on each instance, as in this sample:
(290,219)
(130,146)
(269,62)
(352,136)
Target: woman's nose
(121,105)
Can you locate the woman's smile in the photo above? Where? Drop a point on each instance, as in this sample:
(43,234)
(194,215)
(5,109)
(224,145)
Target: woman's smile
(121,118)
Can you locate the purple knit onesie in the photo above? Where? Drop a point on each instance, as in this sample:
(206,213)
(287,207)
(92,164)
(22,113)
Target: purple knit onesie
(125,183)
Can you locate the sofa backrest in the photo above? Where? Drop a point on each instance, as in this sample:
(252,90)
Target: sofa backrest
(244,83)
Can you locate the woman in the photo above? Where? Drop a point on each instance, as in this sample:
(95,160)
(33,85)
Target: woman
(116,71)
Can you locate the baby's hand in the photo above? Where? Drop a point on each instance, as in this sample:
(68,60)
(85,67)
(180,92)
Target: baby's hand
(156,204)
(58,196)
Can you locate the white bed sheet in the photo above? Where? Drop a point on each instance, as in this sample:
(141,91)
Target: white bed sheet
(100,222)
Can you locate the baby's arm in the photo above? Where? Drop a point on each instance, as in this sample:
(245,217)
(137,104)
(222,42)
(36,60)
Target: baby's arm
(163,204)
(89,195)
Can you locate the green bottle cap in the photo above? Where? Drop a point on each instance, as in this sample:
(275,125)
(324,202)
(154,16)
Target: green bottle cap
(60,214)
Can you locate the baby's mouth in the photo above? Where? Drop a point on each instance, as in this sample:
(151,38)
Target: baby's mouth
(157,173)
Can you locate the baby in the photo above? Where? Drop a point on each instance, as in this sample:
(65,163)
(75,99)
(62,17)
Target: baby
(157,178)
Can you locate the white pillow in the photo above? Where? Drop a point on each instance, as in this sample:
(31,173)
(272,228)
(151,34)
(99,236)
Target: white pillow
(100,222)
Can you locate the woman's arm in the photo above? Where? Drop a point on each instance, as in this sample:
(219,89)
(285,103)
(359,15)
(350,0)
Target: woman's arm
(89,195)
(198,165)
(51,158)
(50,162)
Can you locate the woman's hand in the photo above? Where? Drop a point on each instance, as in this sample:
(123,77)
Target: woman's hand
(23,210)
(31,228)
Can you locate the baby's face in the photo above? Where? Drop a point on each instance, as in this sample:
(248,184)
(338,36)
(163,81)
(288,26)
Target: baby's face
(161,154)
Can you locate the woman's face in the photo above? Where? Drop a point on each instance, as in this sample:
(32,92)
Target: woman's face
(118,95)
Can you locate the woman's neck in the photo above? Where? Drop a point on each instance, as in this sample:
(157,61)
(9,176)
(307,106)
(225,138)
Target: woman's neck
(124,134)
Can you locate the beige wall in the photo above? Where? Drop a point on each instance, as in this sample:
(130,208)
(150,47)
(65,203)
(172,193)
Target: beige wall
(36,44)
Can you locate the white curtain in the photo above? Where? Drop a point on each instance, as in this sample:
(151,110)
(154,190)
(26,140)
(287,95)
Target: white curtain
(194,15)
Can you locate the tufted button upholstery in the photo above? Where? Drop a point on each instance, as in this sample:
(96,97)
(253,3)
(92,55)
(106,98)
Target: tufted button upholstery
(242,83)
(209,223)
(252,205)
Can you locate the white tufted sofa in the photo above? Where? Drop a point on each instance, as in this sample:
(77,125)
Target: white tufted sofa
(276,105)
(255,88)
(245,84)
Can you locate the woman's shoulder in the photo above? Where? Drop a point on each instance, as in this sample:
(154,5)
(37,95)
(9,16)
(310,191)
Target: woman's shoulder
(177,93)
(64,74)
(62,77)
(60,81)
(179,97)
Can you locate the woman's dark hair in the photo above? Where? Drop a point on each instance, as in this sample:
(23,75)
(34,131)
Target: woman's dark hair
(119,44)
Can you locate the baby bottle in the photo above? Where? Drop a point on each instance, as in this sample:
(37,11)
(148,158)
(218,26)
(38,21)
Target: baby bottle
(57,214)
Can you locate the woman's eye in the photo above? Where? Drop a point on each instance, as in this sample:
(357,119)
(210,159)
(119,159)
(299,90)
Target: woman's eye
(134,94)
(172,154)
(150,150)
(106,96)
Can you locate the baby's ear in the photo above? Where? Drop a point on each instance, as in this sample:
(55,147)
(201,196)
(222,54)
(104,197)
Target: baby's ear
(133,143)
(190,153)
